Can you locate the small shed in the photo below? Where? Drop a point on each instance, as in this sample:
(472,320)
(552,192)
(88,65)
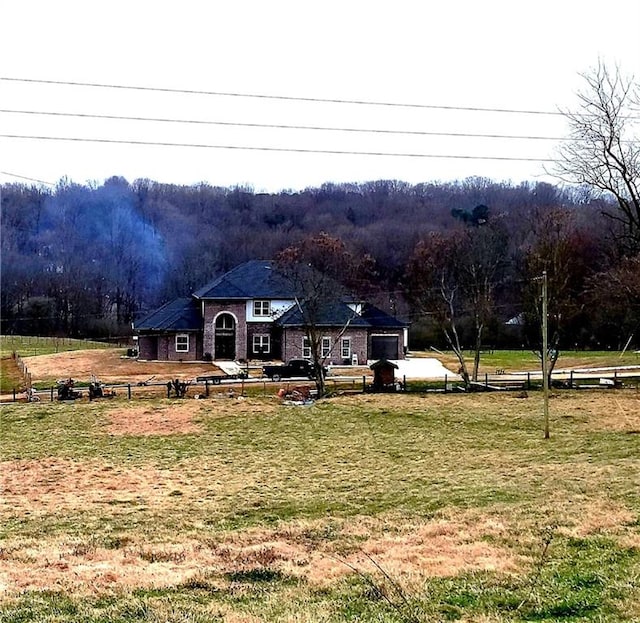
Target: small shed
(384,376)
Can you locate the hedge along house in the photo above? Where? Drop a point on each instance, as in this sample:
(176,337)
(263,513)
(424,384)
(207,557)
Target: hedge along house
(252,312)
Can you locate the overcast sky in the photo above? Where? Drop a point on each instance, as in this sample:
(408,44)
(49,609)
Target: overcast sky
(443,57)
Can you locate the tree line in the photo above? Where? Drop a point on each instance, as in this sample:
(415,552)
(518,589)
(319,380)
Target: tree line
(84,260)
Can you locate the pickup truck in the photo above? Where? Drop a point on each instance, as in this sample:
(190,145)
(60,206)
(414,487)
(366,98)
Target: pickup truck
(295,368)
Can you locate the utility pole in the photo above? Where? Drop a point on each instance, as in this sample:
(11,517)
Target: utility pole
(545,347)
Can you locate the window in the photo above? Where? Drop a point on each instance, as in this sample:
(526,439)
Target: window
(345,348)
(261,308)
(182,343)
(261,344)
(224,321)
(326,347)
(306,348)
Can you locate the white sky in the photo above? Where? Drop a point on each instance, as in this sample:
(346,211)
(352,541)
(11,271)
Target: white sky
(503,54)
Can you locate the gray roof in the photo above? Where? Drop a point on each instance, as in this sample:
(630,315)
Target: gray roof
(257,279)
(331,314)
(181,314)
(380,319)
(338,314)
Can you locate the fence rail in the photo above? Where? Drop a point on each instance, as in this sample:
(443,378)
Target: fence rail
(26,375)
(30,345)
(265,387)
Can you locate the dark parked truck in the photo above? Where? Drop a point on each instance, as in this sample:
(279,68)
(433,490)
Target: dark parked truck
(295,368)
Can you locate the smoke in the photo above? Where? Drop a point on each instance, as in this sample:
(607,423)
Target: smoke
(98,233)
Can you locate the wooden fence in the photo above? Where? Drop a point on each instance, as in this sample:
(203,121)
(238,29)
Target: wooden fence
(26,375)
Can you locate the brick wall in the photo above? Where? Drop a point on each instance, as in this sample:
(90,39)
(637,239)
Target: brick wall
(293,338)
(236,309)
(147,347)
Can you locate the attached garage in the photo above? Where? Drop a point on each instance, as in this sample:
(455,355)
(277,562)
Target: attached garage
(385,347)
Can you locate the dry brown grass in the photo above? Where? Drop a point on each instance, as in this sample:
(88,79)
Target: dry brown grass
(176,419)
(110,367)
(413,551)
(409,551)
(321,551)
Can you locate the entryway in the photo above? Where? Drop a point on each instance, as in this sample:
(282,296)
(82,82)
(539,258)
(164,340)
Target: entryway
(225,337)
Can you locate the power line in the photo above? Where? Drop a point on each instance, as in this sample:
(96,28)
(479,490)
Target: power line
(24,177)
(272,149)
(290,98)
(279,126)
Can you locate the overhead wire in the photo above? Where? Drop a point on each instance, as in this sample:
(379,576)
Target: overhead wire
(24,177)
(271,149)
(283,97)
(277,125)
(273,125)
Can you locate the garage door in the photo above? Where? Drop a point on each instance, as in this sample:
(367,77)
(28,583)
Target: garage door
(384,347)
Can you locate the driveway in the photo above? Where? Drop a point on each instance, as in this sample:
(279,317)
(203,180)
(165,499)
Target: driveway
(423,368)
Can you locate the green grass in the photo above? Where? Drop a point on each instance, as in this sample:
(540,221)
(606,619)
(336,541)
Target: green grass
(30,346)
(10,375)
(315,474)
(523,360)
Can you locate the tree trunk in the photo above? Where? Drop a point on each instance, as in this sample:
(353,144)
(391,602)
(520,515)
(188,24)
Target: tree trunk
(476,357)
(454,342)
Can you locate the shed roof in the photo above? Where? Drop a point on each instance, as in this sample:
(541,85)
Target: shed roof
(383,363)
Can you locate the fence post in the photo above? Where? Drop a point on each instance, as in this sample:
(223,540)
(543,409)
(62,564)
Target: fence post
(486,380)
(528,380)
(52,393)
(445,383)
(571,379)
(14,394)
(364,383)
(129,391)
(206,388)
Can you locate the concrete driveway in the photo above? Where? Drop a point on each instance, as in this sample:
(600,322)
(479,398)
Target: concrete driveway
(423,368)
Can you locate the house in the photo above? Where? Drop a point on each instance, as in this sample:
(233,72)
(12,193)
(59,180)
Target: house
(252,312)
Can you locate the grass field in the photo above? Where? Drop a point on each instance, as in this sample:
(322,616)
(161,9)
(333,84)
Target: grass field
(30,346)
(362,508)
(523,360)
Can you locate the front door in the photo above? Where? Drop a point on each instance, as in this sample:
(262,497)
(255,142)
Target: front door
(225,337)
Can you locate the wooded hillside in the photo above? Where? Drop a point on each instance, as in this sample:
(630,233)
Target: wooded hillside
(84,260)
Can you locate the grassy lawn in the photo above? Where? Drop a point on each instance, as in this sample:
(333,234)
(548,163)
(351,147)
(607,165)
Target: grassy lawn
(362,508)
(10,376)
(523,360)
(30,346)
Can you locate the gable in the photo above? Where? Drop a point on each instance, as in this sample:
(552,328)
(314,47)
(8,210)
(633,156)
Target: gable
(339,314)
(257,279)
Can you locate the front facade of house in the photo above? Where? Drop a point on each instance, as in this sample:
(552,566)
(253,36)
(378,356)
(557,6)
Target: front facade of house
(250,313)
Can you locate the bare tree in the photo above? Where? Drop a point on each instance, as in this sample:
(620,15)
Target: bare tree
(566,254)
(316,268)
(454,277)
(481,266)
(604,150)
(434,288)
